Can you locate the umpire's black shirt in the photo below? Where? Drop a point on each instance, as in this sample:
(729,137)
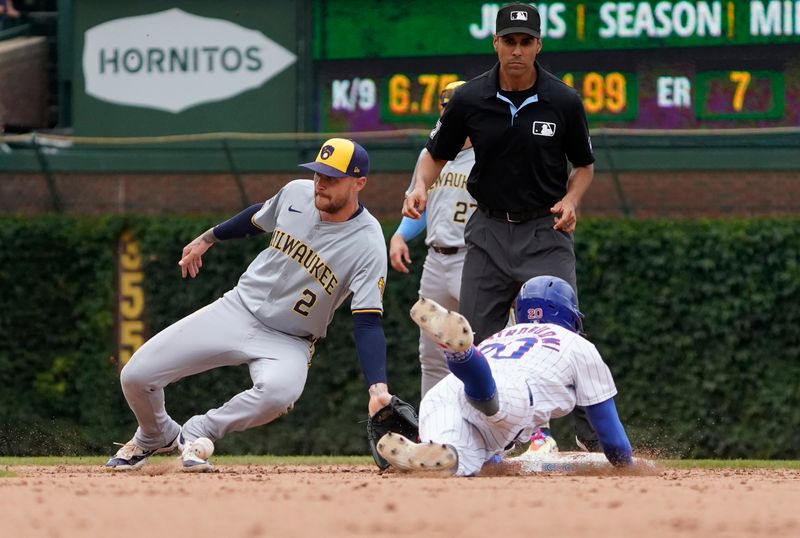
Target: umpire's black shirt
(520,152)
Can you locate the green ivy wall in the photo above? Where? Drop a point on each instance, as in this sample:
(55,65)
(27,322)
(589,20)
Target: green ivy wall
(698,320)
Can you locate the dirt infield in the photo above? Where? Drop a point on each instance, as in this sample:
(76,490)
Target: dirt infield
(287,501)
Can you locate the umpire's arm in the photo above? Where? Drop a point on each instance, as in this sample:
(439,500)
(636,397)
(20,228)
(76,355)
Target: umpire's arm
(428,169)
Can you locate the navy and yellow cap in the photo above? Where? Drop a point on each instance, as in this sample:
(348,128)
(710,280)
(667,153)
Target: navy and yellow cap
(340,157)
(448,91)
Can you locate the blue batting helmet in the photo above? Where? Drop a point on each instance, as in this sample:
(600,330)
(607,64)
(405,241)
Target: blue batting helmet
(548,299)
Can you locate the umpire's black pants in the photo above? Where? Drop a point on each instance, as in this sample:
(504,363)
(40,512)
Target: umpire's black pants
(501,257)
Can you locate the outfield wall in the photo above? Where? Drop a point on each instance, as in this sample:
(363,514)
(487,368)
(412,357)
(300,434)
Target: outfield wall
(641,174)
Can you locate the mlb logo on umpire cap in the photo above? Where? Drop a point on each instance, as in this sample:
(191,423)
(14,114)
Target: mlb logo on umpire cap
(518,19)
(340,157)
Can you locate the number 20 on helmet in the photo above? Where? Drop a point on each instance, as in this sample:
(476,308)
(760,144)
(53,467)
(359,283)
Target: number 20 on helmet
(548,299)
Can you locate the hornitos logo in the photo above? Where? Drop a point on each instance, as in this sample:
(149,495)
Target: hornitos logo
(173,60)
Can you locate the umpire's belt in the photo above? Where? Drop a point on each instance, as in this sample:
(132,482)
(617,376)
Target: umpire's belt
(445,250)
(515,216)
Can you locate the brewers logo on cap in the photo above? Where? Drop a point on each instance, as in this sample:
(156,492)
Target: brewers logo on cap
(340,157)
(326,152)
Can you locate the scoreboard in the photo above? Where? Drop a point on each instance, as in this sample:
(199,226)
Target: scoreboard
(646,64)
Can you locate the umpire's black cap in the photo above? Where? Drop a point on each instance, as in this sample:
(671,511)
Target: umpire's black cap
(518,19)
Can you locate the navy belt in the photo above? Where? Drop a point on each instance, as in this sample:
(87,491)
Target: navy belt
(447,251)
(515,216)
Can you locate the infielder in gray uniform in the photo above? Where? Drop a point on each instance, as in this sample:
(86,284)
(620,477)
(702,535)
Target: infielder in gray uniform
(448,209)
(324,246)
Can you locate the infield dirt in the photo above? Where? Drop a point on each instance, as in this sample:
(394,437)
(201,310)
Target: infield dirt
(288,501)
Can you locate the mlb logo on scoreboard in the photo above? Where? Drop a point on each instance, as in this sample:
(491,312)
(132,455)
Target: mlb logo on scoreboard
(519,15)
(544,128)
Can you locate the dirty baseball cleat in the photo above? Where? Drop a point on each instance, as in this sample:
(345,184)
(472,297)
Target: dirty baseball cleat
(542,443)
(195,454)
(407,455)
(449,329)
(131,456)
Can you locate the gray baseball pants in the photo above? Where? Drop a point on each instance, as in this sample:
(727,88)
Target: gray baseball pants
(223,333)
(501,257)
(440,281)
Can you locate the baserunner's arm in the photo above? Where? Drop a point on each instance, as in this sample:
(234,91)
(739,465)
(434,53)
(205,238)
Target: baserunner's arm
(612,436)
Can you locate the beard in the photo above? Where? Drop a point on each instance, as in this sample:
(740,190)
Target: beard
(328,204)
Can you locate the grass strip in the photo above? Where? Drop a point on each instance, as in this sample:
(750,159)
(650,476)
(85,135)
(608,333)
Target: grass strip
(366,460)
(222,460)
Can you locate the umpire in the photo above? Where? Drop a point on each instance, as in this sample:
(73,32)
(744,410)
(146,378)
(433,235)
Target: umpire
(525,124)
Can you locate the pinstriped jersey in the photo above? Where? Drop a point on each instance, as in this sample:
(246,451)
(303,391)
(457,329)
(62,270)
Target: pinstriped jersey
(449,204)
(561,368)
(311,266)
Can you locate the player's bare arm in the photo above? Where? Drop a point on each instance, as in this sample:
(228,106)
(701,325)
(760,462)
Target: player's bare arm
(378,397)
(399,253)
(565,210)
(428,169)
(192,256)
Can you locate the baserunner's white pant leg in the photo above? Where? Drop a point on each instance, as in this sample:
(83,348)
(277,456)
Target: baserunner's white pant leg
(447,417)
(441,420)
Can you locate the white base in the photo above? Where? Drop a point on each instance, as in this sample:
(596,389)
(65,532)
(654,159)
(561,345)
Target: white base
(568,462)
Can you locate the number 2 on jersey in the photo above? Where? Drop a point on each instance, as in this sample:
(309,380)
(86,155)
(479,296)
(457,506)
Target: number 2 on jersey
(305,304)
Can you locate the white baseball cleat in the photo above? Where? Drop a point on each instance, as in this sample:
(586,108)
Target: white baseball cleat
(195,454)
(131,456)
(449,329)
(407,455)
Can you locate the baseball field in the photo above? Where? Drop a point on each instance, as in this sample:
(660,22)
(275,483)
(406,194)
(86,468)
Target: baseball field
(347,496)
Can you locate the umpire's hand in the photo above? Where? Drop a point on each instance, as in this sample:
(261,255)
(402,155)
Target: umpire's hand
(566,217)
(415,203)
